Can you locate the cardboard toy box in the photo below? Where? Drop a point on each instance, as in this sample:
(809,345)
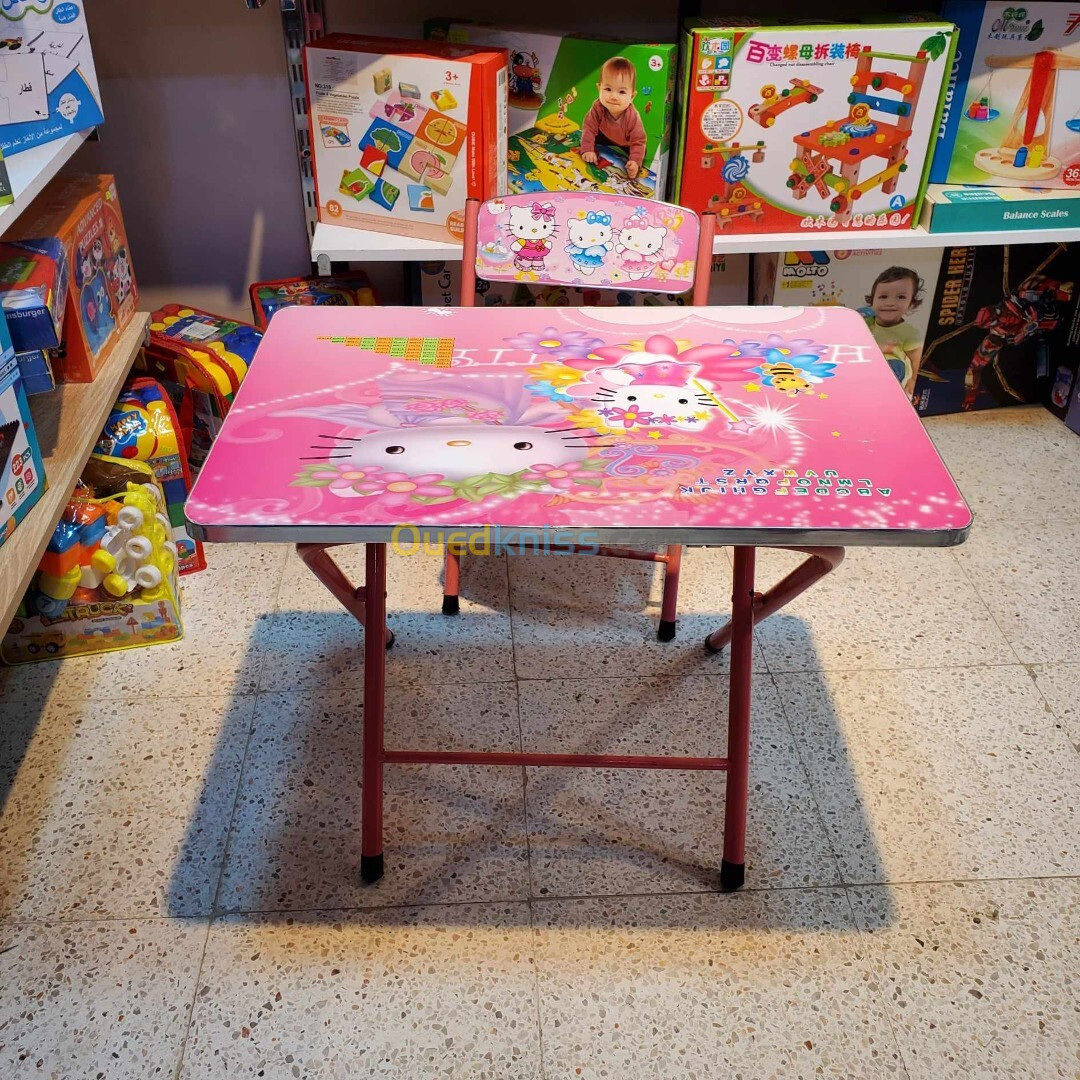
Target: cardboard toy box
(402,132)
(437,284)
(93,591)
(48,86)
(1010,117)
(817,127)
(33,292)
(22,473)
(973,208)
(35,370)
(553,87)
(1001,322)
(83,213)
(267,297)
(892,290)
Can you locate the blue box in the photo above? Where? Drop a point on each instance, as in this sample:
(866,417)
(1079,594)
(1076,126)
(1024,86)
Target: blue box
(33,291)
(22,472)
(35,370)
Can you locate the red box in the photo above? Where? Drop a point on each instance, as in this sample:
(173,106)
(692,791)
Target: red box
(83,213)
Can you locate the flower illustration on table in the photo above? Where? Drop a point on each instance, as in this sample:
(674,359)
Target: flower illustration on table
(628,417)
(563,476)
(397,488)
(556,344)
(556,374)
(347,480)
(545,389)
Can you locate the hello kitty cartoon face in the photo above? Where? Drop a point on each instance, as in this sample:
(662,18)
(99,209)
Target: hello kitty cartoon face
(535,222)
(458,451)
(657,395)
(585,234)
(643,242)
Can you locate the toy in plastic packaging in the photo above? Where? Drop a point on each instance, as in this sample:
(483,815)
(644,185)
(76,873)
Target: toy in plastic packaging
(341,290)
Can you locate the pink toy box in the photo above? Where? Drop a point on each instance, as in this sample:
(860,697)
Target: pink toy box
(403,132)
(816,127)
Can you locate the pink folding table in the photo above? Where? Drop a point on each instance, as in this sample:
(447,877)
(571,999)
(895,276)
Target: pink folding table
(546,428)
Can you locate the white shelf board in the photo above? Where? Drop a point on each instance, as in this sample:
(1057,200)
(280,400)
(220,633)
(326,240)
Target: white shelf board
(31,170)
(340,244)
(819,240)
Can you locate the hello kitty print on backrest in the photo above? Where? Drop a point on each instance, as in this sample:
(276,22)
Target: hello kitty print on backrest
(578,238)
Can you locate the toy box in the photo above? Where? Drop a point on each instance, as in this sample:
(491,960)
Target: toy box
(48,86)
(107,580)
(352,289)
(809,127)
(402,132)
(22,474)
(1011,116)
(1000,318)
(892,290)
(200,359)
(555,109)
(972,208)
(437,284)
(143,427)
(33,291)
(83,213)
(35,370)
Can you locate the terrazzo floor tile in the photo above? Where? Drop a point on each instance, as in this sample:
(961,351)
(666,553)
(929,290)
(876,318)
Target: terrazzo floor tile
(96,999)
(979,979)
(988,451)
(881,608)
(452,833)
(446,992)
(121,810)
(937,774)
(1023,576)
(582,616)
(603,831)
(750,985)
(219,607)
(1060,685)
(311,642)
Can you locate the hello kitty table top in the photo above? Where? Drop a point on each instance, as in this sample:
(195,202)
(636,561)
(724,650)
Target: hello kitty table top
(636,425)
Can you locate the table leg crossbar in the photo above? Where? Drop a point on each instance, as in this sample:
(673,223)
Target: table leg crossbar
(368,606)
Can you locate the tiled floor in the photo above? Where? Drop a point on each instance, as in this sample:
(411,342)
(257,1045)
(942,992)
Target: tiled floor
(179,839)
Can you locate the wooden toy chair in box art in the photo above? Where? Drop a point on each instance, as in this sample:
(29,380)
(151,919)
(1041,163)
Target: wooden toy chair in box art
(593,241)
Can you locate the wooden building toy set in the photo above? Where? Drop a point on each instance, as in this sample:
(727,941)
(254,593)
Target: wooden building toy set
(403,132)
(849,113)
(570,129)
(1011,117)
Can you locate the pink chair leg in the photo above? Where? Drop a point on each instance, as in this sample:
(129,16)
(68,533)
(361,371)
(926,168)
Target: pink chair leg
(451,580)
(733,867)
(371,842)
(670,604)
(350,597)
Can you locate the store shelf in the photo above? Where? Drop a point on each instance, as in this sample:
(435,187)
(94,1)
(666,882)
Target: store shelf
(31,170)
(340,244)
(68,421)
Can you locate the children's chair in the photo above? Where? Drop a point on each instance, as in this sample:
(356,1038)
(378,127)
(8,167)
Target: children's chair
(589,241)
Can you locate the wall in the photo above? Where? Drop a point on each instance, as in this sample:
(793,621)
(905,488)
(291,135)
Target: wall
(198,130)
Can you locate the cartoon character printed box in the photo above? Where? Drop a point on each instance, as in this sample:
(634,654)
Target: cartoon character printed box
(820,127)
(1011,115)
(586,114)
(403,132)
(83,213)
(48,86)
(892,290)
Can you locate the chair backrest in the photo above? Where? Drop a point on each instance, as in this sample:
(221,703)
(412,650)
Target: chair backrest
(589,240)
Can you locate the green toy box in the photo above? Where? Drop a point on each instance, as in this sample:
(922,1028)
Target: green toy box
(1011,115)
(561,117)
(809,127)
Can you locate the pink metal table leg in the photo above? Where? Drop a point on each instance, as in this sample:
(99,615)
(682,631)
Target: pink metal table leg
(371,850)
(351,598)
(821,561)
(669,605)
(733,867)
(451,580)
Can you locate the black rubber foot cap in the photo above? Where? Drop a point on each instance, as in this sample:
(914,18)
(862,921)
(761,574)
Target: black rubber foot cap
(732,875)
(666,630)
(710,648)
(390,639)
(450,605)
(371,868)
